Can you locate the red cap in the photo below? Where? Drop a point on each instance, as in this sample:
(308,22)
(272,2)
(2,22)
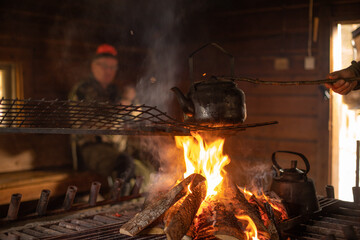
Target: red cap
(106,50)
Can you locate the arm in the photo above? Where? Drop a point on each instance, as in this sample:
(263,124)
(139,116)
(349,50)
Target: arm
(342,87)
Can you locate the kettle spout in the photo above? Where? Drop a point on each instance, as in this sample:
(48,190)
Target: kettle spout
(186,104)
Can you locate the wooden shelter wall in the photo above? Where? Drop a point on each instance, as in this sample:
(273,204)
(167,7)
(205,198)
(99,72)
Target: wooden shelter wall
(54,44)
(257,37)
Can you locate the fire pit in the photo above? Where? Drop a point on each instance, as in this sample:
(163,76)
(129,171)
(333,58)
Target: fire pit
(205,204)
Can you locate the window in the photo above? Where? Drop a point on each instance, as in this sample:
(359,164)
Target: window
(10,80)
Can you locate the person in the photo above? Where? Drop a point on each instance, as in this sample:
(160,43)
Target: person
(344,87)
(103,154)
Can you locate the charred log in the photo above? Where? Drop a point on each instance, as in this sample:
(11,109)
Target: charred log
(154,210)
(179,219)
(240,205)
(216,222)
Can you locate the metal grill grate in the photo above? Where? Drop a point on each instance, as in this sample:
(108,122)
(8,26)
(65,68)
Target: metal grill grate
(336,220)
(100,226)
(80,117)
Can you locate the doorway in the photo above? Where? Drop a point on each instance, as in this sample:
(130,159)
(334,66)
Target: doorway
(345,114)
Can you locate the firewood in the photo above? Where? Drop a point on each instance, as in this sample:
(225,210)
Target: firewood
(256,203)
(186,237)
(153,198)
(154,210)
(159,230)
(179,220)
(238,202)
(216,222)
(191,232)
(155,228)
(173,210)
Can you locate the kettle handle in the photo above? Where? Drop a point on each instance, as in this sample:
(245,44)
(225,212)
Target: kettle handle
(191,59)
(307,164)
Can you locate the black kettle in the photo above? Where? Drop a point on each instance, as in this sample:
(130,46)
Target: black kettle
(213,101)
(294,187)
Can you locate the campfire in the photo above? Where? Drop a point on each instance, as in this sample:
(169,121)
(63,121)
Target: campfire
(206,203)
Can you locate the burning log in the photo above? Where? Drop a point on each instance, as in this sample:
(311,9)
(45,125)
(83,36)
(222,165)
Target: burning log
(253,200)
(216,222)
(191,233)
(156,228)
(237,201)
(180,217)
(154,210)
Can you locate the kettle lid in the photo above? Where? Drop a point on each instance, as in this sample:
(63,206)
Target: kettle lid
(293,173)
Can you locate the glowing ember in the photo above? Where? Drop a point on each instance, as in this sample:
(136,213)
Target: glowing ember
(247,193)
(251,230)
(277,207)
(204,159)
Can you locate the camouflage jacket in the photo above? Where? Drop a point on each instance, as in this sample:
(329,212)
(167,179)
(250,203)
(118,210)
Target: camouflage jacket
(91,90)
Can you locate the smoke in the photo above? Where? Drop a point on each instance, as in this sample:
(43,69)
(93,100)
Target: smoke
(260,178)
(250,164)
(169,159)
(162,38)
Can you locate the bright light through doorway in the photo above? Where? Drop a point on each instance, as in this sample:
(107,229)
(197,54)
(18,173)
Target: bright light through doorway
(345,118)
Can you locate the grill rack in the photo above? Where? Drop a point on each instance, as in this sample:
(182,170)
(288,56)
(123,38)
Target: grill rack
(91,117)
(336,220)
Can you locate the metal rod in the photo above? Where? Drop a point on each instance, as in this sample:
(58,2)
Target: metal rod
(94,191)
(43,202)
(105,219)
(69,198)
(285,83)
(61,229)
(72,226)
(357,163)
(47,230)
(330,192)
(83,223)
(138,182)
(23,236)
(116,190)
(356,189)
(14,206)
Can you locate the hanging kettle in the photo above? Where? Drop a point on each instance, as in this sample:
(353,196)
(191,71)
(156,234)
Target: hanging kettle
(213,101)
(294,187)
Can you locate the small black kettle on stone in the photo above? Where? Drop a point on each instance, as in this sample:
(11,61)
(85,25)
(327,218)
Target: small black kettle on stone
(294,187)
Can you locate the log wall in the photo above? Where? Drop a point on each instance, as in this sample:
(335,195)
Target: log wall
(55,40)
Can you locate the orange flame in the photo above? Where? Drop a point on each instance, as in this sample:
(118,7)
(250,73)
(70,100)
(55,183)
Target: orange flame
(247,193)
(205,159)
(251,230)
(280,208)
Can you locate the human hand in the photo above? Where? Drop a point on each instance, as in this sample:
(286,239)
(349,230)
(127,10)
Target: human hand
(341,86)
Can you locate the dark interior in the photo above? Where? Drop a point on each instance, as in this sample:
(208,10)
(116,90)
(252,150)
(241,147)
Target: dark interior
(53,42)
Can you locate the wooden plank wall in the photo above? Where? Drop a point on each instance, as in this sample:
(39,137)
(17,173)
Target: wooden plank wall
(257,34)
(54,41)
